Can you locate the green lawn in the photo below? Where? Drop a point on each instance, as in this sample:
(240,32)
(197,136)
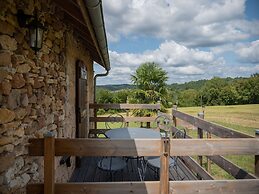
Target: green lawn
(243,118)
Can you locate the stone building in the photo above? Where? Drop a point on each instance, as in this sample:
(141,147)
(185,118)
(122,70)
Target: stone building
(48,88)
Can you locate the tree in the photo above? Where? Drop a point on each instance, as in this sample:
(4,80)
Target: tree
(150,81)
(150,76)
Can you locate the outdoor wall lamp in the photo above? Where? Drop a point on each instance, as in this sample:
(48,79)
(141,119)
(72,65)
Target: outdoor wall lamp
(35,27)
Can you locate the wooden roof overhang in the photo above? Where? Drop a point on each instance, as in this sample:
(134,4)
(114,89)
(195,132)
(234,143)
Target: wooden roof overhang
(73,16)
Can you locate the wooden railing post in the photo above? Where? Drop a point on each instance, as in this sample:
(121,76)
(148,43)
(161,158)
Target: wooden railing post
(257,156)
(95,115)
(174,118)
(208,160)
(164,166)
(208,134)
(127,112)
(49,163)
(200,135)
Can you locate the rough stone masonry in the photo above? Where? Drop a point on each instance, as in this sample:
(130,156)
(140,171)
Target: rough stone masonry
(34,90)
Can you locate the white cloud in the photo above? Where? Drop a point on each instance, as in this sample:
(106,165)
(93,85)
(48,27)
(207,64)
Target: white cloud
(192,23)
(179,61)
(249,52)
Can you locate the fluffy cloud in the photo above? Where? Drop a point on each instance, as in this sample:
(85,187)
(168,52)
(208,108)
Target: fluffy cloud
(179,61)
(192,23)
(249,53)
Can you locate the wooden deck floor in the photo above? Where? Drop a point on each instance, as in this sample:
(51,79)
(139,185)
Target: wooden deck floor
(89,172)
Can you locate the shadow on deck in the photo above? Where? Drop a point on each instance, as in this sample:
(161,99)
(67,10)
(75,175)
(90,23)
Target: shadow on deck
(89,172)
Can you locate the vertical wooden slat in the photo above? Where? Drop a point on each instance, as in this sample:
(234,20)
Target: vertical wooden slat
(200,135)
(257,156)
(49,163)
(164,166)
(127,112)
(174,118)
(208,160)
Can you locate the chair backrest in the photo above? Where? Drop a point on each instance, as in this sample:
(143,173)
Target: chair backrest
(118,123)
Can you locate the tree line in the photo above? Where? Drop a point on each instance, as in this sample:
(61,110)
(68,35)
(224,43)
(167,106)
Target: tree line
(149,86)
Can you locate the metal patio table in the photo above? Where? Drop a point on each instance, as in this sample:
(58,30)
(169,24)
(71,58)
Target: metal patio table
(132,133)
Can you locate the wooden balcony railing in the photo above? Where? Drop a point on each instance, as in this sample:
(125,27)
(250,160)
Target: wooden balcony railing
(219,131)
(49,147)
(126,119)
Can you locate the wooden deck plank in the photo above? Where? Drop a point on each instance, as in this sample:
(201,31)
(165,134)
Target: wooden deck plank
(89,172)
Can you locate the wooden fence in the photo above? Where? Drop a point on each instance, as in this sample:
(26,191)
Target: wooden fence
(125,107)
(219,131)
(49,147)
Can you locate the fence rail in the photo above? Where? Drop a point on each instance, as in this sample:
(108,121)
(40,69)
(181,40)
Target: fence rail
(241,144)
(49,147)
(213,128)
(126,106)
(222,162)
(176,187)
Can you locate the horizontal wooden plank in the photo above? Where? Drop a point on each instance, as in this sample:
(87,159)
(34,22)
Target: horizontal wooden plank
(196,168)
(148,147)
(176,187)
(122,119)
(231,168)
(146,187)
(220,146)
(213,128)
(222,162)
(99,147)
(215,187)
(126,106)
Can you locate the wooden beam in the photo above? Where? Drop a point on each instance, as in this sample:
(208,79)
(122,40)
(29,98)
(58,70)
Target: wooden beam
(215,187)
(71,9)
(164,166)
(126,106)
(208,147)
(213,128)
(148,147)
(99,147)
(196,168)
(257,156)
(200,135)
(152,187)
(49,164)
(147,187)
(222,162)
(231,168)
(122,119)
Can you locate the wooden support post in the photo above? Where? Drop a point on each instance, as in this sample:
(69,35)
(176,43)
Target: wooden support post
(49,163)
(164,166)
(257,156)
(127,113)
(95,115)
(208,160)
(200,135)
(174,118)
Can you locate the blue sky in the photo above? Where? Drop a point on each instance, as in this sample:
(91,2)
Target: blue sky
(191,40)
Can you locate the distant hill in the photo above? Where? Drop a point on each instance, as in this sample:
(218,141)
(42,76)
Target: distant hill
(188,85)
(115,87)
(196,85)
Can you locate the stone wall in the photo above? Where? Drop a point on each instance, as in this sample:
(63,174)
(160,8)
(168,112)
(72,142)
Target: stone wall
(37,92)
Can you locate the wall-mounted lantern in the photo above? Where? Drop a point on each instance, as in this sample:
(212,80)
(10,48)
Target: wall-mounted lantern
(35,27)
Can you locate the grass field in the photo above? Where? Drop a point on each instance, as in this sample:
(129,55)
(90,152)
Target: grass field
(243,118)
